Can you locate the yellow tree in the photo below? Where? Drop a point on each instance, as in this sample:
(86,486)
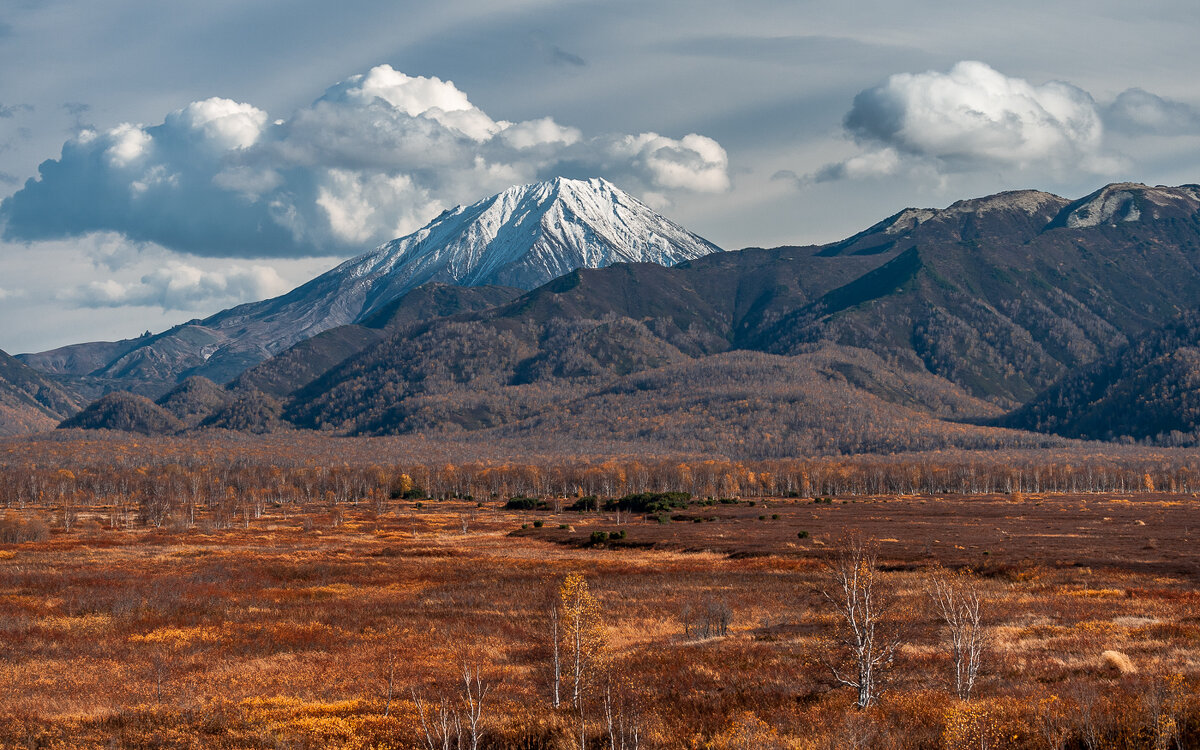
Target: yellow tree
(582,632)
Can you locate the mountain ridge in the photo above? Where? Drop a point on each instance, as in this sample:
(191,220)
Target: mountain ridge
(521,237)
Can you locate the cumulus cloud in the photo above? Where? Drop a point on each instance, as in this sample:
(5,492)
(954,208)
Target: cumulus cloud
(975,113)
(1138,112)
(375,157)
(179,286)
(972,117)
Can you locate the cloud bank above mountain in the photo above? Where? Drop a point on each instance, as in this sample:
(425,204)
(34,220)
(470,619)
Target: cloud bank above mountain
(974,118)
(374,158)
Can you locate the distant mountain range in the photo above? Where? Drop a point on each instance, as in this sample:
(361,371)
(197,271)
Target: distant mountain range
(522,237)
(970,326)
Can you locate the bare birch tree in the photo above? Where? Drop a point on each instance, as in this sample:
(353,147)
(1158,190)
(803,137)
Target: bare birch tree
(555,617)
(957,600)
(441,725)
(862,599)
(475,690)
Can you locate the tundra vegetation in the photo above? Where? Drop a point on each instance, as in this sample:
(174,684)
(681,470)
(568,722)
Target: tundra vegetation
(273,593)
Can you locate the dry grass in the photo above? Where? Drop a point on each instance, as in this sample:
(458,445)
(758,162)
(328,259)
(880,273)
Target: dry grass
(277,631)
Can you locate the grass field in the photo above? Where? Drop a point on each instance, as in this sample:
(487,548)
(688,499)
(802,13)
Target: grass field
(293,628)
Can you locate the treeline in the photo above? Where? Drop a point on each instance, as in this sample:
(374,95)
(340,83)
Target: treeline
(151,491)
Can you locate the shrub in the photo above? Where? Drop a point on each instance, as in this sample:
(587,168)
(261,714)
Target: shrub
(520,502)
(587,502)
(1119,662)
(538,524)
(802,535)
(650,502)
(598,537)
(14,530)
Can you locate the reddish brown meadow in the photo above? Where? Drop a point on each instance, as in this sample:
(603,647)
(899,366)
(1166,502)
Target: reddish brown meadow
(249,602)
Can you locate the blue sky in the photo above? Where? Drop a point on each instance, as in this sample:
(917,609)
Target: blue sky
(189,156)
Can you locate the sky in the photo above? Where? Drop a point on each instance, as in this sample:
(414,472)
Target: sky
(162,161)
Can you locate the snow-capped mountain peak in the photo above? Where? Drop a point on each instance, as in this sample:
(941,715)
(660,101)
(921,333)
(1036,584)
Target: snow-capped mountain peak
(524,237)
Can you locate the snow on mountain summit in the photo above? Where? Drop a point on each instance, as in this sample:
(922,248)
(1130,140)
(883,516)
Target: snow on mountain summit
(526,236)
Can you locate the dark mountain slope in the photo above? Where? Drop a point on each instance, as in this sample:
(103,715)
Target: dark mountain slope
(128,412)
(1148,390)
(247,411)
(303,363)
(756,405)
(436,300)
(982,299)
(194,400)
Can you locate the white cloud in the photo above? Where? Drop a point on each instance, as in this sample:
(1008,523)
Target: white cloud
(361,207)
(973,118)
(10,293)
(126,144)
(376,156)
(876,163)
(1137,112)
(525,135)
(179,286)
(691,163)
(227,124)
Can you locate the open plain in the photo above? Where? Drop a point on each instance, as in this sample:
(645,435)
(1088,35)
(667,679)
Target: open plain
(245,606)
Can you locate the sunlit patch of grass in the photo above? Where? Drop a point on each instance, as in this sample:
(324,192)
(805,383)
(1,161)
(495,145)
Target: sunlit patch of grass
(1096,593)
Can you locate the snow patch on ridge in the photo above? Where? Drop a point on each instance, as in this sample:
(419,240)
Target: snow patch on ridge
(1107,209)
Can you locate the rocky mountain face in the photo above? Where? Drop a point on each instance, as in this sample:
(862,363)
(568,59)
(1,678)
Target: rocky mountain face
(522,237)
